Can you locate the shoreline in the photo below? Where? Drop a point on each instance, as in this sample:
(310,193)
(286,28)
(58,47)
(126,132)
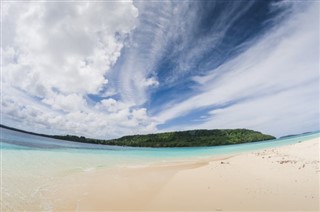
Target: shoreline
(276,178)
(281,178)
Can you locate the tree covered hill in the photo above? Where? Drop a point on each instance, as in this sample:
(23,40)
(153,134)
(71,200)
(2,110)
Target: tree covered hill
(190,138)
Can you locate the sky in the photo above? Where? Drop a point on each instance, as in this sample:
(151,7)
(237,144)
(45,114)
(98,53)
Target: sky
(105,69)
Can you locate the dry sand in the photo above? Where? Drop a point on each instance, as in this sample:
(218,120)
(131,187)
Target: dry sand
(276,179)
(285,178)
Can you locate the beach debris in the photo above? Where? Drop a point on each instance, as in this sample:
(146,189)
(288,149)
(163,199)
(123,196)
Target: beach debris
(287,161)
(224,162)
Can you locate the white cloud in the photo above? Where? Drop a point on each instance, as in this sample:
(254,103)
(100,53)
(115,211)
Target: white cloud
(287,112)
(107,119)
(110,105)
(150,82)
(146,48)
(67,103)
(164,25)
(64,46)
(54,55)
(277,80)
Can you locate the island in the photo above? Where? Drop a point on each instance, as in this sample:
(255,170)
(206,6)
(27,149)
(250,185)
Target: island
(189,138)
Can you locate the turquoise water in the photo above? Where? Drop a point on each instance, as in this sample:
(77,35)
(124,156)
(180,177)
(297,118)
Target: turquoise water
(21,146)
(35,155)
(32,165)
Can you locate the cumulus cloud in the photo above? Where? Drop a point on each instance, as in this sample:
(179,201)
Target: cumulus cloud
(66,47)
(57,53)
(106,119)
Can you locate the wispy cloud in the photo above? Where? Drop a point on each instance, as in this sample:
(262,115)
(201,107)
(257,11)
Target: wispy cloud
(274,81)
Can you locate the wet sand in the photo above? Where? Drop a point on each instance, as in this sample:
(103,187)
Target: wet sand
(276,179)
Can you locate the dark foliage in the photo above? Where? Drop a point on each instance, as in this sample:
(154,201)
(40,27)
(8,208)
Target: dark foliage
(191,138)
(188,138)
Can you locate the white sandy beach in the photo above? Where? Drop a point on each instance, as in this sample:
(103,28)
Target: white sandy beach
(276,179)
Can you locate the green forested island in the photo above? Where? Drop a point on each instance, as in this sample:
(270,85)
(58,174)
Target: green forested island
(190,138)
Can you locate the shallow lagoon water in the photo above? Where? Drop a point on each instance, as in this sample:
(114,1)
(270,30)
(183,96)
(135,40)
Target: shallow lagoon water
(33,164)
(30,150)
(24,154)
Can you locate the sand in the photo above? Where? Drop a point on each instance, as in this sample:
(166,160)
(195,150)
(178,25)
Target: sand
(275,179)
(285,178)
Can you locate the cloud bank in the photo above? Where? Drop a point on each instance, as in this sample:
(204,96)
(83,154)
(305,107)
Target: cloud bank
(55,55)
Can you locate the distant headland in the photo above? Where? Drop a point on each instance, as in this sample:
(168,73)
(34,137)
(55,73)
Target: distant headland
(189,138)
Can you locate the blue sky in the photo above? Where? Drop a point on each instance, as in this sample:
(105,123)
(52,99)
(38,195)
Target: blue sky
(108,69)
